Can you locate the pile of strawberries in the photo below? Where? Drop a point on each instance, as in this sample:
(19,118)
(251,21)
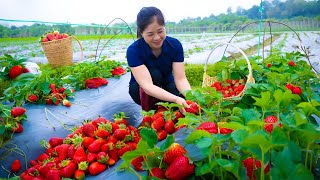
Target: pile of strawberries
(118,71)
(90,149)
(54,35)
(294,89)
(176,164)
(163,121)
(56,96)
(230,87)
(94,83)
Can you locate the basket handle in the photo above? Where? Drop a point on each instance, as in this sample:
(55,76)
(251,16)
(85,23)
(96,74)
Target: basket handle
(245,56)
(81,58)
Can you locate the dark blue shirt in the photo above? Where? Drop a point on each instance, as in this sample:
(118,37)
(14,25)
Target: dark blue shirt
(139,53)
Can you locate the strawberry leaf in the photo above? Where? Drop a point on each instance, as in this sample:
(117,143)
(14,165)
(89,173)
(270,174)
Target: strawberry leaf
(197,135)
(169,140)
(150,136)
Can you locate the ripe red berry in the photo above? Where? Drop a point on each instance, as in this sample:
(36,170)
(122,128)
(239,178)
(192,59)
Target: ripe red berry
(296,90)
(292,63)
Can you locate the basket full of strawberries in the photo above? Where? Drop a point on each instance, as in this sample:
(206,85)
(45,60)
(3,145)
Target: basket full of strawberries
(58,48)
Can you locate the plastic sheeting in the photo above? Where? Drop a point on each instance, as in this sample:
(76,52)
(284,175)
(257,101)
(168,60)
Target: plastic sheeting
(87,104)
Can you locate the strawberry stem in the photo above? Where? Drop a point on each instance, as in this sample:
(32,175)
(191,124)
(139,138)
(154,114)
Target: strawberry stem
(61,122)
(140,178)
(47,118)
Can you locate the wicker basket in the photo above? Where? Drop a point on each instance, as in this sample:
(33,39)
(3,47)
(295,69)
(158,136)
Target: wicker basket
(60,52)
(208,81)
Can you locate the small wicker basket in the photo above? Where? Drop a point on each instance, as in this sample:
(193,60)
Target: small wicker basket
(208,81)
(60,52)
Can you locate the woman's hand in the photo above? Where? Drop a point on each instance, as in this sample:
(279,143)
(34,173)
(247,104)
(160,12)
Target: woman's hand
(182,102)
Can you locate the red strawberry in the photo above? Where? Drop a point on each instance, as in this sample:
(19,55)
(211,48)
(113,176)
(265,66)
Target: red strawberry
(193,107)
(106,147)
(111,162)
(118,71)
(44,39)
(224,130)
(32,98)
(211,127)
(99,120)
(178,115)
(42,157)
(137,163)
(88,130)
(17,111)
(79,174)
(217,86)
(269,65)
(251,165)
(123,150)
(96,145)
(50,36)
(91,157)
(102,157)
(102,133)
(15,71)
(162,134)
(120,134)
(146,121)
(53,174)
(296,90)
(180,168)
(80,155)
(113,153)
(158,124)
(96,168)
(169,126)
(56,32)
(66,102)
(68,168)
(158,173)
(45,168)
(18,129)
(289,86)
(291,63)
(62,151)
(64,35)
(15,166)
(55,141)
(269,122)
(25,70)
(87,141)
(58,36)
(120,119)
(173,151)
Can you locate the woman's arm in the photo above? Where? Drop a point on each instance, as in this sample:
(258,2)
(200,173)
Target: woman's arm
(143,78)
(180,78)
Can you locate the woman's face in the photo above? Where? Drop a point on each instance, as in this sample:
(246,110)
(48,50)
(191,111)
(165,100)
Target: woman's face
(154,34)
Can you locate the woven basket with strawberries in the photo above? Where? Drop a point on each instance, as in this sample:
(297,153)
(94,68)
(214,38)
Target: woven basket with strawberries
(58,48)
(231,88)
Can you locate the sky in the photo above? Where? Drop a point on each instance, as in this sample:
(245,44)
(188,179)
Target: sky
(103,11)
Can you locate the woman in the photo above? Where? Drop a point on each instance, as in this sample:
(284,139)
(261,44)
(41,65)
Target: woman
(156,61)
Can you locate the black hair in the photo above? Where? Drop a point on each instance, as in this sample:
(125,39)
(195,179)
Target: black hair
(145,17)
